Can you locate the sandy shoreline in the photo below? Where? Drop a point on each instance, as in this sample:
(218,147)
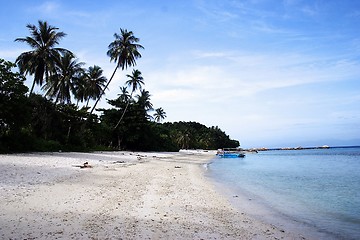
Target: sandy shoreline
(123,196)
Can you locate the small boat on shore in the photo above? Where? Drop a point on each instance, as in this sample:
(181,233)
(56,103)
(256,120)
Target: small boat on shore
(230,153)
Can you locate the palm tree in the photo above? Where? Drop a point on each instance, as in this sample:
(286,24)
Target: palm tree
(143,101)
(124,51)
(94,83)
(135,81)
(124,96)
(67,76)
(183,140)
(159,114)
(80,86)
(41,59)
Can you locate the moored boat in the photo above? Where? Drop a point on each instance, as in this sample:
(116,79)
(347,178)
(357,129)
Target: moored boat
(230,153)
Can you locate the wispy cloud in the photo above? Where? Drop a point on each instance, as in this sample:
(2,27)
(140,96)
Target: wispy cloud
(59,11)
(310,10)
(48,7)
(247,74)
(252,9)
(265,27)
(216,12)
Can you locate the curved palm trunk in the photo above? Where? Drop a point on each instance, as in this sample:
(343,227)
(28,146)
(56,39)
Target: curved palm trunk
(122,115)
(32,88)
(103,91)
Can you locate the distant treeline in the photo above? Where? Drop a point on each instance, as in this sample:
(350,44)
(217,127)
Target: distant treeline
(32,122)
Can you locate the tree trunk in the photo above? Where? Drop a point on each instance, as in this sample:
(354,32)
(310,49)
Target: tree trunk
(122,116)
(68,134)
(103,91)
(32,88)
(119,143)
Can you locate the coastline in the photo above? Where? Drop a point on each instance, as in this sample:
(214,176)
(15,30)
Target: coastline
(257,208)
(123,195)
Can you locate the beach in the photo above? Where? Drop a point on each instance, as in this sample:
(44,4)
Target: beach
(120,195)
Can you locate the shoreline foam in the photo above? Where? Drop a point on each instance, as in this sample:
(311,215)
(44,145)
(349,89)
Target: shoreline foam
(124,195)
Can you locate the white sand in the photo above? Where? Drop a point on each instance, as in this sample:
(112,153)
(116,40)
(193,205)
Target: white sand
(123,196)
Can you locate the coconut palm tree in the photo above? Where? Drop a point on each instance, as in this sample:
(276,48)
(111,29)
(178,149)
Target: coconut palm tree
(124,51)
(183,140)
(64,81)
(143,101)
(41,59)
(159,114)
(94,83)
(124,96)
(135,81)
(80,86)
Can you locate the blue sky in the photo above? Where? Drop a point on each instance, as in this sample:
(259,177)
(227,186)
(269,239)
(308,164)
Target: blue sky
(268,72)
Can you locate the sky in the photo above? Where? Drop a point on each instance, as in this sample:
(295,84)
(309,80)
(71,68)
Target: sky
(270,73)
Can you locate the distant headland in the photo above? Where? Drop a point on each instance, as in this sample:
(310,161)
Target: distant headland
(296,148)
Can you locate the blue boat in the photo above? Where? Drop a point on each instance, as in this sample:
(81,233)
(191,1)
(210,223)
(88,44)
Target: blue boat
(230,153)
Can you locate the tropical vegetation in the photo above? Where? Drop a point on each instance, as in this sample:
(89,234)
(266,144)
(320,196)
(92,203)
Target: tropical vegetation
(55,120)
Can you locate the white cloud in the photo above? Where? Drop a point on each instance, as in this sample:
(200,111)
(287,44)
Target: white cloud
(214,78)
(176,95)
(284,69)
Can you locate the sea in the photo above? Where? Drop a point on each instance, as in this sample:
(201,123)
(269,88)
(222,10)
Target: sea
(315,191)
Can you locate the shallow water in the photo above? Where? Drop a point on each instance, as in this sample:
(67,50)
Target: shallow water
(318,187)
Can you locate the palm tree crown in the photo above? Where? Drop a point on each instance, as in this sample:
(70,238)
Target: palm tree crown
(124,95)
(41,59)
(124,50)
(135,80)
(94,83)
(159,114)
(143,99)
(67,76)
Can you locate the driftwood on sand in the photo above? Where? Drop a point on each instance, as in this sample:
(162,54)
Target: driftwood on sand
(85,165)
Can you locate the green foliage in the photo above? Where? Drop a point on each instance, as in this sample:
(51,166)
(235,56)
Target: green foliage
(36,123)
(12,96)
(159,115)
(14,110)
(41,59)
(193,135)
(65,79)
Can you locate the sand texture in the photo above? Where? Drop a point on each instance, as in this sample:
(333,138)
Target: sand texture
(122,196)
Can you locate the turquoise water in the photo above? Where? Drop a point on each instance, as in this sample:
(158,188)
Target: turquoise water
(318,187)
